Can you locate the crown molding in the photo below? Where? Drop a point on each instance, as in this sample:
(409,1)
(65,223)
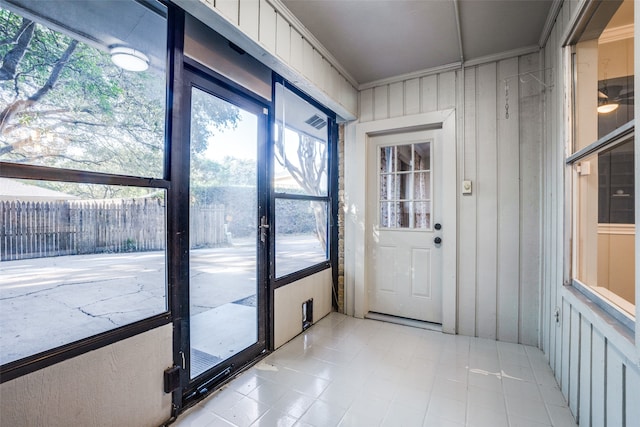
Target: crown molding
(616,34)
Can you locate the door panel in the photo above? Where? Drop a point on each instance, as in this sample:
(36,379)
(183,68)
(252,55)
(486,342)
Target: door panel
(403,207)
(227,281)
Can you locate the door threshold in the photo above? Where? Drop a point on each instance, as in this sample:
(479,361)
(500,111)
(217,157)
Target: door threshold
(404,321)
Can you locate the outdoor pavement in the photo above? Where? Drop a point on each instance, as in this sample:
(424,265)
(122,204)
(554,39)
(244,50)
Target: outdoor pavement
(48,302)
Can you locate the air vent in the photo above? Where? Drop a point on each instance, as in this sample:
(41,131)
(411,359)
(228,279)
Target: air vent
(316,121)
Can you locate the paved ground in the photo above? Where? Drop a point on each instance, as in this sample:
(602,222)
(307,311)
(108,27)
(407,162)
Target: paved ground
(48,302)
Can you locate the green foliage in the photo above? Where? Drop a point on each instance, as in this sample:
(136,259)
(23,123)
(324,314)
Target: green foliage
(95,116)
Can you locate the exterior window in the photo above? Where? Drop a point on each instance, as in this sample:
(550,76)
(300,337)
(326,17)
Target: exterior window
(405,186)
(82,225)
(603,159)
(301,183)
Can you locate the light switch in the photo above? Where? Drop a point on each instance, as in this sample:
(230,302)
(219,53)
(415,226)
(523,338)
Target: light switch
(466,186)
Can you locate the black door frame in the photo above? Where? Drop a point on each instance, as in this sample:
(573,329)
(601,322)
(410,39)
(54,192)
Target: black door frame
(196,75)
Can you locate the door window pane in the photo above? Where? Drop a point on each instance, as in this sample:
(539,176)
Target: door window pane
(75,264)
(405,186)
(223,220)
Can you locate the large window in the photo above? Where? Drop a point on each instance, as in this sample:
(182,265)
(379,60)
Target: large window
(602,162)
(302,149)
(82,188)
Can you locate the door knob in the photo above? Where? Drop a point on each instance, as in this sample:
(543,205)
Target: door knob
(438,226)
(437,240)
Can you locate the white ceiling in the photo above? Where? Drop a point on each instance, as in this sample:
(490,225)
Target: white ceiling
(378,39)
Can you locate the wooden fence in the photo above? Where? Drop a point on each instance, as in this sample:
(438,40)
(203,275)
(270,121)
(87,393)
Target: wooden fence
(45,229)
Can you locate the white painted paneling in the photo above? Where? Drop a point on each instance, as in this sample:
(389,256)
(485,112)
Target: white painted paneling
(598,378)
(249,13)
(381,102)
(615,386)
(228,9)
(632,380)
(268,25)
(412,96)
(396,99)
(574,361)
(267,31)
(499,251)
(530,167)
(508,143)
(366,105)
(429,100)
(297,51)
(486,189)
(566,348)
(468,213)
(117,385)
(283,38)
(584,407)
(446,90)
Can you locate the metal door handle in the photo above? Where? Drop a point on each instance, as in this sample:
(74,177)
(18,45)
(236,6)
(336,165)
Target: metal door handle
(437,240)
(263,229)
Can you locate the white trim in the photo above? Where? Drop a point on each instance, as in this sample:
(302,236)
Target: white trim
(307,35)
(355,193)
(502,55)
(554,11)
(413,75)
(616,34)
(624,229)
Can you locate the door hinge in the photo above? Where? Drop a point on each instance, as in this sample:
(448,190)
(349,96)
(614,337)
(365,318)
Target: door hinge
(171,379)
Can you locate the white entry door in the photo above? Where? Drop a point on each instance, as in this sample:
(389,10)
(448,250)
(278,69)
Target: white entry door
(404,216)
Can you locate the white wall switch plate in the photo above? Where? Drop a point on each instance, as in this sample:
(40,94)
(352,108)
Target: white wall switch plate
(466,186)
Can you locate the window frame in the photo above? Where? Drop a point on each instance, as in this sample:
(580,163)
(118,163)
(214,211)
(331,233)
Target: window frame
(622,134)
(40,360)
(330,199)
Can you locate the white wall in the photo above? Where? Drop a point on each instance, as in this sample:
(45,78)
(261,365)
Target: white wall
(270,33)
(288,304)
(499,224)
(594,359)
(118,385)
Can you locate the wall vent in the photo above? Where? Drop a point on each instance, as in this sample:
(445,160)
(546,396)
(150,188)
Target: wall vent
(316,121)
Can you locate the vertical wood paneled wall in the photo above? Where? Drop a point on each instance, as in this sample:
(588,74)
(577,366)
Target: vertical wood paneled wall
(594,360)
(499,224)
(285,46)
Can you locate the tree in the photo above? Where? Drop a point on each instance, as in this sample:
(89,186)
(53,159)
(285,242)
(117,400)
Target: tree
(64,104)
(309,170)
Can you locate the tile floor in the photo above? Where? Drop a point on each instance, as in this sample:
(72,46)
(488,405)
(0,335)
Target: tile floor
(354,372)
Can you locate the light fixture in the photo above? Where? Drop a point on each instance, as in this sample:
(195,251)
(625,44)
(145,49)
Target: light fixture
(607,107)
(129,59)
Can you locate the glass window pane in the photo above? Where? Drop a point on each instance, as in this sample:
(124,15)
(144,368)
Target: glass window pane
(604,74)
(422,215)
(66,104)
(407,187)
(422,156)
(422,186)
(301,234)
(77,260)
(605,240)
(387,187)
(301,153)
(404,186)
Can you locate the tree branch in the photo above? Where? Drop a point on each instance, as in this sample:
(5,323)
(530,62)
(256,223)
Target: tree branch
(14,56)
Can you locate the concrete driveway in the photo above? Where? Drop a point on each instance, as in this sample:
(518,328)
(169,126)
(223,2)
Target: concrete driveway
(48,302)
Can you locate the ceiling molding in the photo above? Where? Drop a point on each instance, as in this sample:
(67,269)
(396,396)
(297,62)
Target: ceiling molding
(412,75)
(306,34)
(457,12)
(554,11)
(616,34)
(502,55)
